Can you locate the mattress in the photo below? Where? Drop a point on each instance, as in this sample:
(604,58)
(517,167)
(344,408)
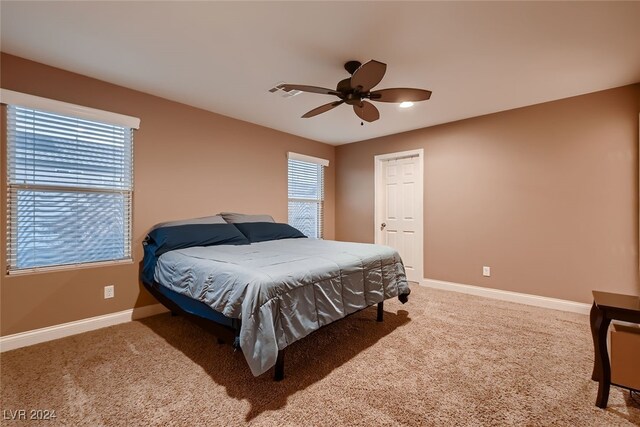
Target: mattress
(283,290)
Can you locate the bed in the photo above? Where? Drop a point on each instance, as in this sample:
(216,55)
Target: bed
(267,281)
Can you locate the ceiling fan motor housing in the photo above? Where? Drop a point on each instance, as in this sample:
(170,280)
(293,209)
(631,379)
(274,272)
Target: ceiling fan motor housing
(344,86)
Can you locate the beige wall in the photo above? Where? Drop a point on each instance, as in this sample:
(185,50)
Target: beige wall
(188,162)
(546,195)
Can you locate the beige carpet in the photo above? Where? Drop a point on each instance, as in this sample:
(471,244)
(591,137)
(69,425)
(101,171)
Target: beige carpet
(443,359)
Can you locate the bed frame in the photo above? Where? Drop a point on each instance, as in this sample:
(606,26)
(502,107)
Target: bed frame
(200,312)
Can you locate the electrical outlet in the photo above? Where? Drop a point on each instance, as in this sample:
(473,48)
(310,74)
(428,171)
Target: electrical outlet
(109,291)
(486,271)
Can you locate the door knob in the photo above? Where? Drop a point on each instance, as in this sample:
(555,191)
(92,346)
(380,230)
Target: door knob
(383,225)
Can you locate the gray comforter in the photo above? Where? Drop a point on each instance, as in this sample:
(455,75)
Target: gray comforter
(283,290)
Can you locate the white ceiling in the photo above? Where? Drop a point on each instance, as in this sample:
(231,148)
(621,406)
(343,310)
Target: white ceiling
(476,57)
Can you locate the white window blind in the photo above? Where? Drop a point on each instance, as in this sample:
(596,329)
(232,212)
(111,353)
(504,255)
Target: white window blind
(306,196)
(70,183)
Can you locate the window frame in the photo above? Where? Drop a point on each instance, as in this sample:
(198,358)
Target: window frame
(10,98)
(322,164)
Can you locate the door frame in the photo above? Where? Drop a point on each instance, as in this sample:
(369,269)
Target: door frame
(377,198)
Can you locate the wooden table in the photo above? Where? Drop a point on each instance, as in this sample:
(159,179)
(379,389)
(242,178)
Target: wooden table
(607,307)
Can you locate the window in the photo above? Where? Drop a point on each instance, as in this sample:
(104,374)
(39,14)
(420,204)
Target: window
(70,184)
(306,193)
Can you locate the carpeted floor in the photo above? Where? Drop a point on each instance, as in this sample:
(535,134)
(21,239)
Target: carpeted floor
(443,359)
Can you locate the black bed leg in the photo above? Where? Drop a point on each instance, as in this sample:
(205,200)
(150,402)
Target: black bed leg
(380,311)
(279,371)
(236,324)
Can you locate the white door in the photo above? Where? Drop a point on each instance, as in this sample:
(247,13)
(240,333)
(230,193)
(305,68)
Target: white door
(400,210)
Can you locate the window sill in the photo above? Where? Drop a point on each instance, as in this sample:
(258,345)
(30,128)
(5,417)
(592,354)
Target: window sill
(67,267)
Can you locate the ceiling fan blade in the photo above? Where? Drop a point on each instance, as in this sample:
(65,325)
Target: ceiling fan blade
(367,111)
(305,88)
(322,109)
(368,75)
(400,95)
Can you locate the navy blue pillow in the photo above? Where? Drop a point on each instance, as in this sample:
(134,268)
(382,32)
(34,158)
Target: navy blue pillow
(166,239)
(185,236)
(263,231)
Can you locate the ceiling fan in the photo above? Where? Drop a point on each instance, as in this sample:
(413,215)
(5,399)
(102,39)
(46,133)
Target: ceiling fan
(354,90)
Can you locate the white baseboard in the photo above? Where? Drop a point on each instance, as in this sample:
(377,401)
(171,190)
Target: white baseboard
(536,300)
(23,339)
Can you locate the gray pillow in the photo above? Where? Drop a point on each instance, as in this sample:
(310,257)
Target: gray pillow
(214,219)
(238,218)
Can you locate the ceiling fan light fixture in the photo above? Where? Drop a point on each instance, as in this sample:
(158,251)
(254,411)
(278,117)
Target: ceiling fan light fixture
(406,104)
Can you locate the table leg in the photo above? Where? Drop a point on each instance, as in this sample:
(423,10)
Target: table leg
(593,316)
(601,368)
